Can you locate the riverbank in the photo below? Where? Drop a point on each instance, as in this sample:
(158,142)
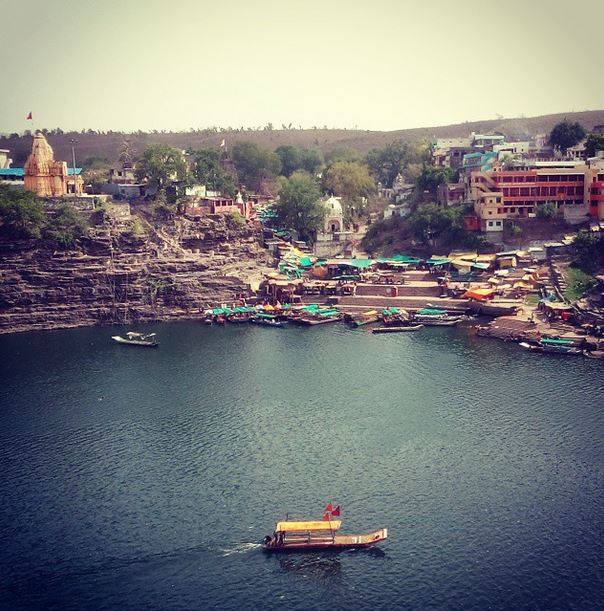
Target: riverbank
(170,272)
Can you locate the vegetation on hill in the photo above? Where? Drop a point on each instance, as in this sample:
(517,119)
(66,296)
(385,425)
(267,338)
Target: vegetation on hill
(299,207)
(22,216)
(108,144)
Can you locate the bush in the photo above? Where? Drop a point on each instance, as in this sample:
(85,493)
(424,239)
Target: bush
(65,227)
(21,213)
(578,283)
(547,210)
(237,219)
(136,227)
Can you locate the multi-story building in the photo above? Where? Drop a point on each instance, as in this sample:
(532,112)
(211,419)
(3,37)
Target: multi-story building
(574,188)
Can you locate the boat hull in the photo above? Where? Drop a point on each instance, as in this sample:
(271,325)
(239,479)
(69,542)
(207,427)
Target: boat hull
(134,342)
(400,329)
(339,542)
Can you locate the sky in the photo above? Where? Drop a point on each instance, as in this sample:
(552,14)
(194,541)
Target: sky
(372,64)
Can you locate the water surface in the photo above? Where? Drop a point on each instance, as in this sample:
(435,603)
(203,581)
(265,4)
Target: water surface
(138,478)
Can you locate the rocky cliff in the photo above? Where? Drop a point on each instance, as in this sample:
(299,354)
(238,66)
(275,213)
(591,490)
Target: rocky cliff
(168,271)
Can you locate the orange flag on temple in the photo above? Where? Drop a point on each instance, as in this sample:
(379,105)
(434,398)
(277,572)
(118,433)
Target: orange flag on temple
(29,117)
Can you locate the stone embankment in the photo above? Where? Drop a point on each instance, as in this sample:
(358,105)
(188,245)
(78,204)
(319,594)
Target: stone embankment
(172,271)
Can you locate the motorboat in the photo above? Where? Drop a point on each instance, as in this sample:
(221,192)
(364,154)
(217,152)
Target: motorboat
(137,339)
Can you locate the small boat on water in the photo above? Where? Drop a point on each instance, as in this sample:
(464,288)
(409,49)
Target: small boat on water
(552,346)
(136,339)
(317,535)
(363,318)
(268,320)
(397,329)
(433,317)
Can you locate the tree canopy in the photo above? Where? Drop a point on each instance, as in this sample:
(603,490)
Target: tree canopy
(351,181)
(566,134)
(594,143)
(395,158)
(208,171)
(299,207)
(161,165)
(21,213)
(255,164)
(432,176)
(588,250)
(294,158)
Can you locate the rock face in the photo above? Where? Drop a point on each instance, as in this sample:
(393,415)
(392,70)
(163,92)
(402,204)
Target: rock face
(174,271)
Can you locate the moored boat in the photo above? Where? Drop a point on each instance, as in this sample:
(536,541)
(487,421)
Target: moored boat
(317,535)
(268,320)
(433,317)
(397,329)
(136,339)
(363,318)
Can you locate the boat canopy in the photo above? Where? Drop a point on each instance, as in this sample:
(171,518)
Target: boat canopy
(308,526)
(556,342)
(431,312)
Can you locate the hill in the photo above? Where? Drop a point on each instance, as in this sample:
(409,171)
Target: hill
(108,144)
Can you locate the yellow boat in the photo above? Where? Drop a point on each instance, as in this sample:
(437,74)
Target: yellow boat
(315,535)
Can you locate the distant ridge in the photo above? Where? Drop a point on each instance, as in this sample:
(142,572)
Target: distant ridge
(108,145)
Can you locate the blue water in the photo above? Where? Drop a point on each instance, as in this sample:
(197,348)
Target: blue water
(144,479)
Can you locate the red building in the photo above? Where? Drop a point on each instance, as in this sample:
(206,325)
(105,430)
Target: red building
(575,191)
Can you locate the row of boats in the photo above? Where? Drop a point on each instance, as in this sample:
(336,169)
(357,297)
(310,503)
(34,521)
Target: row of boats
(393,320)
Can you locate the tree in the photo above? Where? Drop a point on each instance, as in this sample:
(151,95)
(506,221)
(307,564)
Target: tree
(431,176)
(299,207)
(588,250)
(161,165)
(312,160)
(343,154)
(291,159)
(351,181)
(386,163)
(21,213)
(395,158)
(566,134)
(294,158)
(65,227)
(255,164)
(208,171)
(594,143)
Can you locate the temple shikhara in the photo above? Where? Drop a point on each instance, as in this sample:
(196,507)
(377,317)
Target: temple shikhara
(47,177)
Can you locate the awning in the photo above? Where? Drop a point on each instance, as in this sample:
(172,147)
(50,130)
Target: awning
(431,312)
(479,294)
(308,526)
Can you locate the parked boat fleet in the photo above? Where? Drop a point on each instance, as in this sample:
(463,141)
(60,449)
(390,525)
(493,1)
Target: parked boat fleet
(314,314)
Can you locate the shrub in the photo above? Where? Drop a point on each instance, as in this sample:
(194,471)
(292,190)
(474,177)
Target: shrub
(21,213)
(65,227)
(546,211)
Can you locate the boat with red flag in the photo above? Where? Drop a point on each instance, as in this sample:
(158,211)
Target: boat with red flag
(291,536)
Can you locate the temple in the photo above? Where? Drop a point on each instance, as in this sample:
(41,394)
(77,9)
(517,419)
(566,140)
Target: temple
(47,177)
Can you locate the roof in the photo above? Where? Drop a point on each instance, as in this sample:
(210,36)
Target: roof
(306,526)
(21,171)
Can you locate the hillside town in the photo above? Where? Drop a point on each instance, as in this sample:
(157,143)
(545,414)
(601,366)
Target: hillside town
(502,233)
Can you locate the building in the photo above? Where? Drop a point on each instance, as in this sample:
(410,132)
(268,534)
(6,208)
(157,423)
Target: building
(47,177)
(5,160)
(330,240)
(450,194)
(574,189)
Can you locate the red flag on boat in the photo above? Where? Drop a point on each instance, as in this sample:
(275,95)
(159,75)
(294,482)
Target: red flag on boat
(29,117)
(329,507)
(336,512)
(326,517)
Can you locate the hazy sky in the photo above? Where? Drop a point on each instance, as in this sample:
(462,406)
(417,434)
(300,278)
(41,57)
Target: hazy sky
(376,64)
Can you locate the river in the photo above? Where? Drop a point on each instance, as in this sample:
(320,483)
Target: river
(135,478)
